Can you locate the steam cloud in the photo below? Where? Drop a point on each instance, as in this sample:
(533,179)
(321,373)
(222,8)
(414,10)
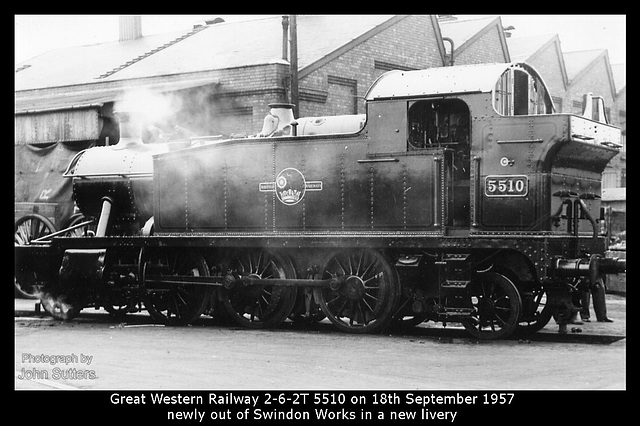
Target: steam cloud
(153,107)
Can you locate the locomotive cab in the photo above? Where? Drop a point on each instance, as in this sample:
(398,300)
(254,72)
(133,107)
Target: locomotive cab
(509,164)
(445,124)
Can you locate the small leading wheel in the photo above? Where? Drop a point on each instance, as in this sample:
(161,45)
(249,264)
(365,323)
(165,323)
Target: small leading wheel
(170,303)
(363,293)
(82,231)
(120,303)
(496,304)
(27,229)
(258,305)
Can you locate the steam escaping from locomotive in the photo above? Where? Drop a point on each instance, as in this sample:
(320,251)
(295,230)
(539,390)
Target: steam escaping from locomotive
(146,106)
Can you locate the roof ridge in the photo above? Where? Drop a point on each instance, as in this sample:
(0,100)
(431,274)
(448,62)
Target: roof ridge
(193,31)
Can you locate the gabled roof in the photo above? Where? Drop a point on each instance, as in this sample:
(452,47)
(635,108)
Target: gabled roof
(579,63)
(213,47)
(526,49)
(464,32)
(523,48)
(619,72)
(99,73)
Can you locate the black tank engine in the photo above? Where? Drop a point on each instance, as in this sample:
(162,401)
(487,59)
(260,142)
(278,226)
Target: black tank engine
(458,197)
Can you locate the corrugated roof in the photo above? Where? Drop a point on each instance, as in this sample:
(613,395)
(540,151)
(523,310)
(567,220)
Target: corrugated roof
(100,94)
(218,46)
(82,64)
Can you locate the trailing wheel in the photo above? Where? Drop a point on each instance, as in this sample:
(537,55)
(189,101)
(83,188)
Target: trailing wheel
(363,291)
(536,311)
(258,305)
(174,303)
(496,306)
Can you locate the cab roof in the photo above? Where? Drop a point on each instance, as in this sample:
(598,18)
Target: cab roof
(478,78)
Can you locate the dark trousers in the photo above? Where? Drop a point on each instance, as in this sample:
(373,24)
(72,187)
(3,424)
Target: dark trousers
(599,303)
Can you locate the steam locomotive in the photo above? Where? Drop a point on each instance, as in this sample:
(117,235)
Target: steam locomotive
(459,197)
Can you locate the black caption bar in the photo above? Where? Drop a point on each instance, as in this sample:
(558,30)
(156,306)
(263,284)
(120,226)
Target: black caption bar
(444,407)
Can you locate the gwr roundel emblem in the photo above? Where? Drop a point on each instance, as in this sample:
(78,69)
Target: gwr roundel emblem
(290,186)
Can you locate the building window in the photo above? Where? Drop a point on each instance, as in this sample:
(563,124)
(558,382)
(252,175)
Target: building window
(388,66)
(237,110)
(557,103)
(577,107)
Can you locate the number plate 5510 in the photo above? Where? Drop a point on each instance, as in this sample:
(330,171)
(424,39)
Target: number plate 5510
(506,186)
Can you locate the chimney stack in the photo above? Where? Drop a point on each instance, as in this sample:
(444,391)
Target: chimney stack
(130,28)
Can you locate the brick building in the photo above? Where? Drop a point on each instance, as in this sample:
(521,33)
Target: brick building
(476,41)
(223,75)
(569,75)
(217,78)
(335,83)
(545,54)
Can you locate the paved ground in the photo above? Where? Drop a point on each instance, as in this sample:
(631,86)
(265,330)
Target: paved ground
(141,355)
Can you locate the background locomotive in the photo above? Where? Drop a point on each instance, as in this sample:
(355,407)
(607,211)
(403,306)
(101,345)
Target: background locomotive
(458,197)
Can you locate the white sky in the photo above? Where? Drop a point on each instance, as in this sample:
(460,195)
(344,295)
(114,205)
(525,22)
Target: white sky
(36,34)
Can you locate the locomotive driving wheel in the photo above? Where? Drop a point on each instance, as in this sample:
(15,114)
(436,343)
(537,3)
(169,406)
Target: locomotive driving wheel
(258,305)
(171,303)
(363,291)
(497,305)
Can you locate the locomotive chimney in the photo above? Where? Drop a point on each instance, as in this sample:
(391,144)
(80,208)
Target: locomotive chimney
(130,28)
(280,121)
(131,123)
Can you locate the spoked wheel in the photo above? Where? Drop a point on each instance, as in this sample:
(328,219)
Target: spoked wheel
(27,229)
(496,304)
(536,312)
(174,303)
(119,305)
(125,296)
(363,292)
(31,227)
(82,231)
(259,306)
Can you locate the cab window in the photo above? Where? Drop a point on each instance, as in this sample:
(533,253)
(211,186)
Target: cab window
(437,123)
(519,93)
